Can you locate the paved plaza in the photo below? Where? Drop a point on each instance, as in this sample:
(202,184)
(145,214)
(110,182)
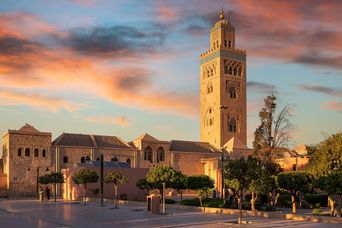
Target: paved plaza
(30,213)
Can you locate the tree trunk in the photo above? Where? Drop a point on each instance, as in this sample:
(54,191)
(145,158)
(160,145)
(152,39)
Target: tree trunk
(253,202)
(181,194)
(339,206)
(164,211)
(240,208)
(85,194)
(332,205)
(116,196)
(293,203)
(200,199)
(55,192)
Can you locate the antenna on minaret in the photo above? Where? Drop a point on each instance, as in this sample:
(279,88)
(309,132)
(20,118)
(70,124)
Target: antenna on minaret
(230,13)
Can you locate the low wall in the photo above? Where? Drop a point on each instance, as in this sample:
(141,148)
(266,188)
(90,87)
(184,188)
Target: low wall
(71,191)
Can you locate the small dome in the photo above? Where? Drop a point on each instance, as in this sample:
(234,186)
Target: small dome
(222,21)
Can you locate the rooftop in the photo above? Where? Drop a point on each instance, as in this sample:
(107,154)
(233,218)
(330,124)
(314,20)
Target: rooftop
(192,146)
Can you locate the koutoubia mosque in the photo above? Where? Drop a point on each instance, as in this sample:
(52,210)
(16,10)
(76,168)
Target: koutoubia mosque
(28,152)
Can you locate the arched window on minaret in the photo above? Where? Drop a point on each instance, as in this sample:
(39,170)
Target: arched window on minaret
(232,125)
(235,70)
(239,70)
(230,70)
(232,92)
(225,64)
(230,44)
(225,43)
(211,72)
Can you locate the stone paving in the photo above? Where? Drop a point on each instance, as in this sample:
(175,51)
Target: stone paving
(31,213)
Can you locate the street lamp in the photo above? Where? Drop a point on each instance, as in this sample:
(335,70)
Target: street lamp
(223,107)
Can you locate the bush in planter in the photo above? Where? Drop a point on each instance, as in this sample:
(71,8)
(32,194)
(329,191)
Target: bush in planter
(170,201)
(317,199)
(123,196)
(317,211)
(191,202)
(246,205)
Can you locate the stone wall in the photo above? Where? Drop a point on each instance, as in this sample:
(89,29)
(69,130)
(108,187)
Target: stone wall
(22,171)
(71,191)
(190,163)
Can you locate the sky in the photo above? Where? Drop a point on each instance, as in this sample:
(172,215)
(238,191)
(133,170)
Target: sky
(128,67)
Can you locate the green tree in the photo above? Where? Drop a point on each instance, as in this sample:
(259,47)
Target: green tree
(199,181)
(233,185)
(180,183)
(295,181)
(143,184)
(332,184)
(84,177)
(53,178)
(163,175)
(203,193)
(116,178)
(274,129)
(326,157)
(244,171)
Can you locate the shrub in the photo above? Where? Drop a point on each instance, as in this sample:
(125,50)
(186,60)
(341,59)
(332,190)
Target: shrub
(284,200)
(317,200)
(123,196)
(317,211)
(208,202)
(170,201)
(191,202)
(246,205)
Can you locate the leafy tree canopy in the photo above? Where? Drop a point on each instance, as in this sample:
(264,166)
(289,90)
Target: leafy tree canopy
(161,174)
(116,178)
(295,181)
(326,157)
(199,182)
(85,176)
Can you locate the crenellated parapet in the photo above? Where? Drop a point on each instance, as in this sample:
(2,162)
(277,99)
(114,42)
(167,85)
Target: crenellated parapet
(237,51)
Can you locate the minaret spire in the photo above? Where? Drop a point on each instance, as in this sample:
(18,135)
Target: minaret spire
(221,14)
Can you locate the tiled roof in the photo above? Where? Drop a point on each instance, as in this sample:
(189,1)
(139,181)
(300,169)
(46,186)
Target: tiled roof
(191,146)
(146,137)
(95,141)
(110,142)
(105,164)
(28,128)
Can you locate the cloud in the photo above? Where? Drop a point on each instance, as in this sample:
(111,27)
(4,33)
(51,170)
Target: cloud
(321,89)
(121,121)
(36,101)
(115,40)
(333,105)
(29,64)
(260,87)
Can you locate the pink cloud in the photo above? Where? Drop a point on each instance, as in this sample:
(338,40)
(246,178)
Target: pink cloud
(333,105)
(121,121)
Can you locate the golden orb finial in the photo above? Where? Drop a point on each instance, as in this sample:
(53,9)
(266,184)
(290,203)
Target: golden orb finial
(221,14)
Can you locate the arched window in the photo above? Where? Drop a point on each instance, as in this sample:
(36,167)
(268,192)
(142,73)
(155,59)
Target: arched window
(128,161)
(148,154)
(232,93)
(27,152)
(211,72)
(232,125)
(97,159)
(160,154)
(44,153)
(36,152)
(230,70)
(225,43)
(239,71)
(226,68)
(83,159)
(235,71)
(211,121)
(230,44)
(208,73)
(65,159)
(19,152)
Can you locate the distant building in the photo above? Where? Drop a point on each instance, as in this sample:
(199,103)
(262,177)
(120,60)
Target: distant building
(28,153)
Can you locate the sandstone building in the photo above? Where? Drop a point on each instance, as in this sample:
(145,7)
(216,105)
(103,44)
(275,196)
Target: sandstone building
(28,153)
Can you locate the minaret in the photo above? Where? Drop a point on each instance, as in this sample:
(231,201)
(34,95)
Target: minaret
(223,110)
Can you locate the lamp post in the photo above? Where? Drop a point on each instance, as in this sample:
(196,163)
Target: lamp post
(223,107)
(37,179)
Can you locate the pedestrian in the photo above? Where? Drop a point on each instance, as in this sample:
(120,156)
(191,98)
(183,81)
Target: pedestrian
(214,194)
(47,191)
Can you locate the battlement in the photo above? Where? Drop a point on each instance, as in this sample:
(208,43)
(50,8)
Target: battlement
(235,50)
